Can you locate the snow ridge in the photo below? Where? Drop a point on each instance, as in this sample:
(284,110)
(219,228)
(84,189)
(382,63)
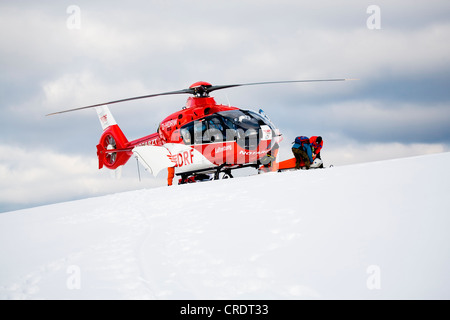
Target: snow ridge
(369,231)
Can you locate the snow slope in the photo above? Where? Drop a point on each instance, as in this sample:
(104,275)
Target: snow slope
(370,231)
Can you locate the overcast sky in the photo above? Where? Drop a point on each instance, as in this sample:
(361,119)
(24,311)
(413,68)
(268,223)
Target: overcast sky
(66,54)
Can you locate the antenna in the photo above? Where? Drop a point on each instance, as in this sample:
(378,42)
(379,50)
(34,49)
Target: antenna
(226,96)
(139,172)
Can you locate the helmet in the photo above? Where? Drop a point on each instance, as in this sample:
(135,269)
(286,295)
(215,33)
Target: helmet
(317,163)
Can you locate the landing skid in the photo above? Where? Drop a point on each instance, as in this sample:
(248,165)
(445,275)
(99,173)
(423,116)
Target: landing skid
(216,173)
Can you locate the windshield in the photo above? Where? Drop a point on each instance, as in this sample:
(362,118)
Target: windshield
(235,125)
(236,119)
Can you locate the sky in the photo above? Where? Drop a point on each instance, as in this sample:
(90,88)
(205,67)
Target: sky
(75,53)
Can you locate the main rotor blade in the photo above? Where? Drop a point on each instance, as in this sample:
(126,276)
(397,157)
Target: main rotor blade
(219,87)
(184,91)
(195,91)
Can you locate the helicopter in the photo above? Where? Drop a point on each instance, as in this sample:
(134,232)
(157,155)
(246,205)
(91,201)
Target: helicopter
(202,141)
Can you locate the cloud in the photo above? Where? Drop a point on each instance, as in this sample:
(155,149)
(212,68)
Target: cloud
(33,177)
(370,121)
(351,153)
(85,88)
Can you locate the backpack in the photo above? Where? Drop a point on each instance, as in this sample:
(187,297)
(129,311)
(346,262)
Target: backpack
(301,140)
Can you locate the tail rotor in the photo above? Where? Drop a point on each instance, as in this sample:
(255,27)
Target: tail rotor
(109,143)
(112,150)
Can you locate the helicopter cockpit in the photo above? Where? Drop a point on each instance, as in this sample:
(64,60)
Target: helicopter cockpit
(246,127)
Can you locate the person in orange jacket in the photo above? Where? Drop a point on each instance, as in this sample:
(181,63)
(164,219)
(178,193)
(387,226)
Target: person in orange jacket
(316,146)
(170,175)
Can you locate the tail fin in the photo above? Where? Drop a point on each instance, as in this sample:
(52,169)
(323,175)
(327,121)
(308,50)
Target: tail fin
(112,150)
(105,116)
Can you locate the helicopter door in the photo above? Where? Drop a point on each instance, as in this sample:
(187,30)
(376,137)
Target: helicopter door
(192,133)
(200,128)
(154,158)
(215,131)
(209,130)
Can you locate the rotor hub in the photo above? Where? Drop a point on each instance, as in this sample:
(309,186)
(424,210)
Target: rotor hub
(200,89)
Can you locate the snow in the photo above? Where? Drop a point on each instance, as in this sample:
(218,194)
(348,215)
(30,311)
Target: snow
(376,230)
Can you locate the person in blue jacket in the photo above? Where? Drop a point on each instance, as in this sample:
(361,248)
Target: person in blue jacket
(302,152)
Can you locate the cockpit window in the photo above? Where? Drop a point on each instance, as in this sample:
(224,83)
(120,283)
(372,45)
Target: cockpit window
(234,125)
(238,119)
(215,123)
(262,119)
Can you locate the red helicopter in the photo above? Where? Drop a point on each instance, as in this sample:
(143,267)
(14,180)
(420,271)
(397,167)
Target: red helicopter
(204,140)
